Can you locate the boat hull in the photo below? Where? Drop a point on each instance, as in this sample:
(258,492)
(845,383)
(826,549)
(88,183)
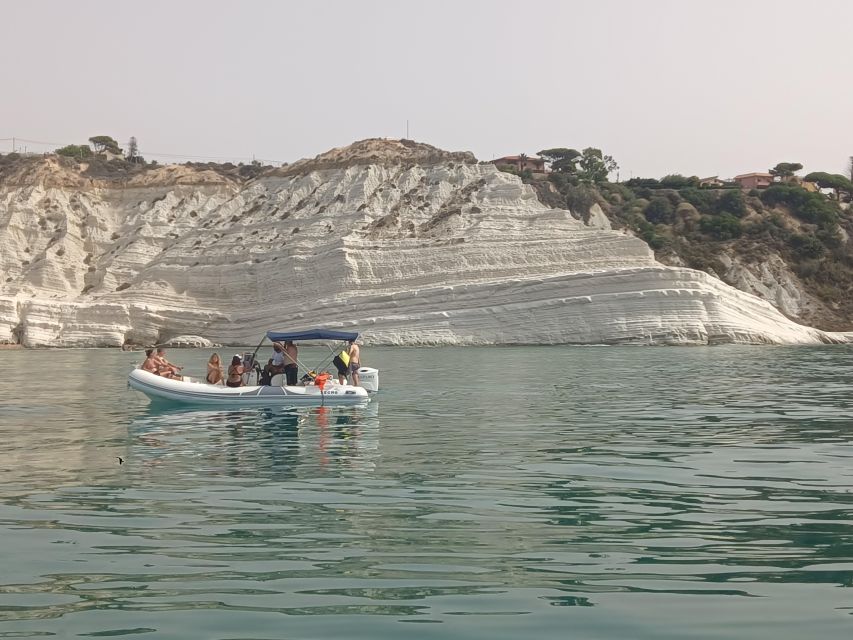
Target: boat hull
(161,389)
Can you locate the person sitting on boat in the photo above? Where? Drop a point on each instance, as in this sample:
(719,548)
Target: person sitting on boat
(291,366)
(235,372)
(150,365)
(354,361)
(275,365)
(166,368)
(214,370)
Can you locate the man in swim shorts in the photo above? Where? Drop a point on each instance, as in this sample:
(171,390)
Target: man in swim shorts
(354,361)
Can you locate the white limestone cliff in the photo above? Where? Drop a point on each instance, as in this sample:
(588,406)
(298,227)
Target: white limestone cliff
(406,243)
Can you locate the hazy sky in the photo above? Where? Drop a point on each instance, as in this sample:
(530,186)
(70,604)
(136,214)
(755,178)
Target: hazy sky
(715,87)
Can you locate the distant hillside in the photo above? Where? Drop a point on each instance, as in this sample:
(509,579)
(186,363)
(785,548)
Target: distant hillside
(785,244)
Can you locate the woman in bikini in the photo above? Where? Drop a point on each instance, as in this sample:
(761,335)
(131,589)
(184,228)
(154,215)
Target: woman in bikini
(150,363)
(214,370)
(235,373)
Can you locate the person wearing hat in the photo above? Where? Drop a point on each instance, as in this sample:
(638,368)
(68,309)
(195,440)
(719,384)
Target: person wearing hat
(275,365)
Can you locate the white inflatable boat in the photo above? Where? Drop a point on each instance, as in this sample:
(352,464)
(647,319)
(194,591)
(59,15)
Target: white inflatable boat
(188,391)
(317,391)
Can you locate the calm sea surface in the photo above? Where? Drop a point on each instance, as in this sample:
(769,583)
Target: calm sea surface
(601,493)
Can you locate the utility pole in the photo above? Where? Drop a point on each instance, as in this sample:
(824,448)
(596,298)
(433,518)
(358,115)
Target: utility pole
(13,144)
(407,129)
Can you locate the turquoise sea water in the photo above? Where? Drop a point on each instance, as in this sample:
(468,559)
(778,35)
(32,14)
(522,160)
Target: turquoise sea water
(488,493)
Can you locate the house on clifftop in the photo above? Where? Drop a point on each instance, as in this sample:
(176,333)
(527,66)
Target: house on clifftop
(713,181)
(755,180)
(521,163)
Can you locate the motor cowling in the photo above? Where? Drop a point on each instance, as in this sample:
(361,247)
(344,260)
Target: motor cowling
(368,378)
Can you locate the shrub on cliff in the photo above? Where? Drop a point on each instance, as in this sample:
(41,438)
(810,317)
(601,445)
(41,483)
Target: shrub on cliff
(732,202)
(787,194)
(659,211)
(808,206)
(616,193)
(678,181)
(806,246)
(722,227)
(75,151)
(819,211)
(704,200)
(100,167)
(579,198)
(643,183)
(648,232)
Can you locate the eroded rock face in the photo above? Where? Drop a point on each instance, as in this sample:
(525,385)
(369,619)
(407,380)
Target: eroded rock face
(420,248)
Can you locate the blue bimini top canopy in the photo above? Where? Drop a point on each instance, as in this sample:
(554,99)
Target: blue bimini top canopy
(312,334)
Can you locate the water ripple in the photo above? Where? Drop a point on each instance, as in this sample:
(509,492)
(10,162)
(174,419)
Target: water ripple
(599,489)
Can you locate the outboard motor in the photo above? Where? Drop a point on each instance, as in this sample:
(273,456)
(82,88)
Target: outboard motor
(368,377)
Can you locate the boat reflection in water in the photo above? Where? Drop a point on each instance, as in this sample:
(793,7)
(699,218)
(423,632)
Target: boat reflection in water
(264,443)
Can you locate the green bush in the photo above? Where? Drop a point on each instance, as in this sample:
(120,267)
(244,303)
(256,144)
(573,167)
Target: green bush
(722,227)
(678,181)
(643,192)
(75,151)
(771,226)
(615,192)
(563,181)
(830,238)
(806,247)
(643,183)
(659,211)
(732,202)
(650,235)
(704,200)
(579,198)
(820,211)
(808,206)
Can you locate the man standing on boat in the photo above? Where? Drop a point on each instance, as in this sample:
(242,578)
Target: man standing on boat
(354,361)
(291,363)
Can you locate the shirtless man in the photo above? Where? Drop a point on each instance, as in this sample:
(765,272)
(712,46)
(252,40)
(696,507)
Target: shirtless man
(166,368)
(291,364)
(354,361)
